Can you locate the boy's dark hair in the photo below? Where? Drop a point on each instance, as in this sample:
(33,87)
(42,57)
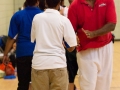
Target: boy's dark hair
(52,3)
(42,4)
(30,2)
(62,3)
(25,4)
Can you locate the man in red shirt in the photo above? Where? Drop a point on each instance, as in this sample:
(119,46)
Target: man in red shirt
(93,21)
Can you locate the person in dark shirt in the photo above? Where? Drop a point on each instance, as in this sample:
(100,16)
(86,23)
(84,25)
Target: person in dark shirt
(19,30)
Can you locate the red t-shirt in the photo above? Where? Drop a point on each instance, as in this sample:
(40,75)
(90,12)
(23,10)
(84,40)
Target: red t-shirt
(84,16)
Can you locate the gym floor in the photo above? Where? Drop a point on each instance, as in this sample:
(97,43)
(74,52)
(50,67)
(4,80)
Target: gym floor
(12,84)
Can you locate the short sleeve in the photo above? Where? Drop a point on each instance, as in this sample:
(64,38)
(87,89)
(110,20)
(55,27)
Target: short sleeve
(72,14)
(69,34)
(111,12)
(14,26)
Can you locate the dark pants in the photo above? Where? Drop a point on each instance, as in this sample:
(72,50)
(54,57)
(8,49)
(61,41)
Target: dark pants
(72,65)
(24,72)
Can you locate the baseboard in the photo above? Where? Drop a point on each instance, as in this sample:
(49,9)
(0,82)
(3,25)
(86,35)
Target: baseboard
(117,39)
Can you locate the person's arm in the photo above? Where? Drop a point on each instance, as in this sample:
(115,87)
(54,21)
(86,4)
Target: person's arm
(13,31)
(110,19)
(69,36)
(8,47)
(104,30)
(71,48)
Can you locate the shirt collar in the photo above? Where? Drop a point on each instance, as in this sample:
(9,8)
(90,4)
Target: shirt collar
(84,1)
(31,8)
(52,11)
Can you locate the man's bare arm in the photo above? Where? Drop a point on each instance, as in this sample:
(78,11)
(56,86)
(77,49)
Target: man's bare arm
(104,30)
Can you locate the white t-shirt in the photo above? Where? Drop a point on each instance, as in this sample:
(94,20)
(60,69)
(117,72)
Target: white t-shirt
(48,29)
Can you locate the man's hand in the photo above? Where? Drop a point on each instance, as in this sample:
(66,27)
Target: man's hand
(6,59)
(89,34)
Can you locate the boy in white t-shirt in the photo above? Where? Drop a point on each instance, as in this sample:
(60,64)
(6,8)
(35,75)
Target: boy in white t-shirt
(49,62)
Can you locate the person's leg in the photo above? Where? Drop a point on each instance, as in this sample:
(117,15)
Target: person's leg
(88,63)
(40,79)
(30,87)
(72,68)
(71,76)
(58,79)
(24,72)
(71,86)
(105,74)
(95,68)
